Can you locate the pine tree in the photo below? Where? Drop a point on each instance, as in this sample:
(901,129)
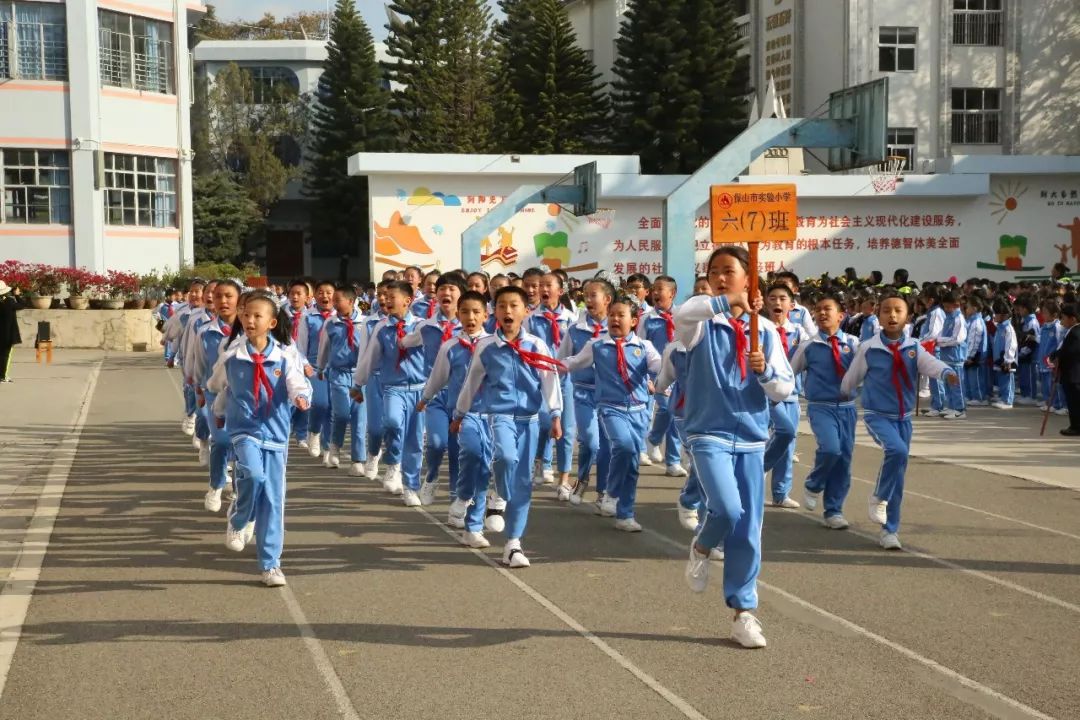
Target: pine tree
(464,93)
(514,82)
(224,217)
(350,116)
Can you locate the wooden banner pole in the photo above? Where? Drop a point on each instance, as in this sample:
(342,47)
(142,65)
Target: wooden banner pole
(752,294)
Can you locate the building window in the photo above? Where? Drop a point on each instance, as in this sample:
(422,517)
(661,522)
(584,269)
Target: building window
(33,41)
(36,186)
(272,84)
(136,52)
(977,22)
(900,142)
(976,116)
(140,191)
(896,49)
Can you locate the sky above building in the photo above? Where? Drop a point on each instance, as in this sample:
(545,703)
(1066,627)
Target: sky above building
(372,10)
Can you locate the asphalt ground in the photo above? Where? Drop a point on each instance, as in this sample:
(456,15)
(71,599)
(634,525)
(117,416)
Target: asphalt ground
(138,610)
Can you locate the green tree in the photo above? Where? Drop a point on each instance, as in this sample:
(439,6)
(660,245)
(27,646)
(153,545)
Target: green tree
(350,116)
(224,217)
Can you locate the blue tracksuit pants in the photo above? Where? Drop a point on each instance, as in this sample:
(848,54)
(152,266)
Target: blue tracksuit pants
(318,415)
(894,438)
(1006,386)
(514,442)
(663,430)
(474,451)
(943,395)
(403,431)
(373,398)
(735,497)
(625,428)
(834,428)
(593,446)
(1046,380)
(344,412)
(1025,377)
(439,441)
(220,444)
(974,385)
(260,496)
(561,450)
(189,400)
(780,450)
(690,495)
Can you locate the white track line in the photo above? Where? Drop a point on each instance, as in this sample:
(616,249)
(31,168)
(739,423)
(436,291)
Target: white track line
(19,588)
(652,683)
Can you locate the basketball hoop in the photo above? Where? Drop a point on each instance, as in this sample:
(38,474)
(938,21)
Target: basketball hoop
(885,175)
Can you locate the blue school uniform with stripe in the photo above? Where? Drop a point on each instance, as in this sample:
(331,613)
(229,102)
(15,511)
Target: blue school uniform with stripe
(593,447)
(431,334)
(542,323)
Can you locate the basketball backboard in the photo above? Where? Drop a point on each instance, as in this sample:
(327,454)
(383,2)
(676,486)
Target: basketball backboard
(868,106)
(585,176)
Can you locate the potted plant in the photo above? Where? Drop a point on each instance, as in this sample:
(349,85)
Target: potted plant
(79,281)
(44,284)
(117,288)
(16,274)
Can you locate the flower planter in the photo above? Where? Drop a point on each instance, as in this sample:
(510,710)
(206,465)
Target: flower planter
(41,302)
(77,302)
(112,304)
(136,304)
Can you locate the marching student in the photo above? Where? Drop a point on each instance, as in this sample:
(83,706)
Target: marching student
(638,287)
(372,406)
(975,390)
(593,447)
(186,353)
(886,367)
(171,335)
(430,335)
(658,327)
(799,315)
(727,420)
(551,322)
(1004,355)
(623,363)
(308,332)
(952,350)
(517,375)
(870,325)
(468,508)
(1051,334)
(401,380)
(780,450)
(530,282)
(296,308)
(339,347)
(162,314)
(425,305)
(1027,338)
(826,358)
(671,380)
(1066,363)
(256,385)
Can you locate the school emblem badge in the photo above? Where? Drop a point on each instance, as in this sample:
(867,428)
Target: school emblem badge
(637,353)
(277,372)
(911,353)
(845,349)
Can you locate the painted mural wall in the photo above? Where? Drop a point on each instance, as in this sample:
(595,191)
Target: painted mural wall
(1020,229)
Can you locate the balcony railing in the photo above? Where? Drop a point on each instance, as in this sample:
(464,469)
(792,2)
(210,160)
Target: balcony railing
(977,27)
(976,127)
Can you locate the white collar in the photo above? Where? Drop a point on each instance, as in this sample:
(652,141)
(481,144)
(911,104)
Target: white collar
(274,355)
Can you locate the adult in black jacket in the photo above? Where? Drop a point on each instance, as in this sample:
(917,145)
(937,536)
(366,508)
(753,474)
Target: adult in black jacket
(9,330)
(1067,366)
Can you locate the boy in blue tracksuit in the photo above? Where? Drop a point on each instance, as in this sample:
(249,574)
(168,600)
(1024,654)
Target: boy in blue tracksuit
(429,335)
(373,399)
(623,363)
(186,353)
(826,358)
(870,326)
(467,510)
(658,327)
(952,349)
(1050,336)
(296,308)
(593,447)
(551,322)
(257,384)
(401,379)
(172,334)
(975,390)
(1027,339)
(1004,356)
(887,367)
(307,344)
(930,333)
(517,375)
(728,390)
(339,347)
(780,450)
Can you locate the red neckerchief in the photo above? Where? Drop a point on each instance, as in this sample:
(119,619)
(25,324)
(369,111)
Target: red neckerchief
(556,335)
(929,346)
(169,311)
(899,372)
(784,340)
(669,321)
(296,318)
(261,379)
(535,359)
(834,343)
(447,329)
(620,363)
(401,352)
(467,343)
(431,308)
(350,327)
(742,345)
(226,330)
(596,328)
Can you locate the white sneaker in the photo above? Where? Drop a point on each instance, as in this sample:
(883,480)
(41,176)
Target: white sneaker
(273,578)
(977,403)
(187,425)
(332,459)
(811,499)
(954,415)
(654,454)
(675,471)
(392,480)
(1060,411)
(889,541)
(356,469)
(249,532)
(514,556)
(196,443)
(575,494)
(697,570)
(428,492)
(628,525)
(458,523)
(548,476)
(234,539)
(475,540)
(212,500)
(746,630)
(837,522)
(563,493)
(931,413)
(458,508)
(924,393)
(877,510)
(1021,400)
(605,506)
(493,519)
(229,491)
(314,445)
(204,453)
(1000,405)
(688,518)
(788,503)
(716,554)
(371,467)
(644,460)
(410,498)
(303,443)
(542,476)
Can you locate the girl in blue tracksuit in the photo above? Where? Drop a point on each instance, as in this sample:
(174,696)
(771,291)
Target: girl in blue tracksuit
(430,335)
(593,447)
(373,399)
(887,367)
(623,364)
(468,508)
(1050,336)
(727,424)
(339,347)
(826,358)
(188,345)
(401,377)
(307,344)
(975,390)
(257,384)
(952,350)
(1004,356)
(551,322)
(518,376)
(658,327)
(780,450)
(931,331)
(1027,338)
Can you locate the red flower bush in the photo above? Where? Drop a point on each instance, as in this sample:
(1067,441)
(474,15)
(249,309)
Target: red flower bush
(80,281)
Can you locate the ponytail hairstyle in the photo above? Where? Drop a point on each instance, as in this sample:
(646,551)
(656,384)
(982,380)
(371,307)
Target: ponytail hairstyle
(238,326)
(282,332)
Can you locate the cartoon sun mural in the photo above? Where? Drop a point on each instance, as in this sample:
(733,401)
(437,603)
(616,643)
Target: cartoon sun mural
(1006,198)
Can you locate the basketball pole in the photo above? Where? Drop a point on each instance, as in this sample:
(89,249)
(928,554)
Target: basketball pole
(752,294)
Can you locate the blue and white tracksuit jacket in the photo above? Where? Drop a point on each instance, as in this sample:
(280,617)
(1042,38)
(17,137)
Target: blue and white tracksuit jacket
(428,335)
(976,377)
(952,350)
(653,326)
(1051,334)
(335,362)
(307,344)
(1004,357)
(1027,374)
(541,326)
(593,447)
(780,450)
